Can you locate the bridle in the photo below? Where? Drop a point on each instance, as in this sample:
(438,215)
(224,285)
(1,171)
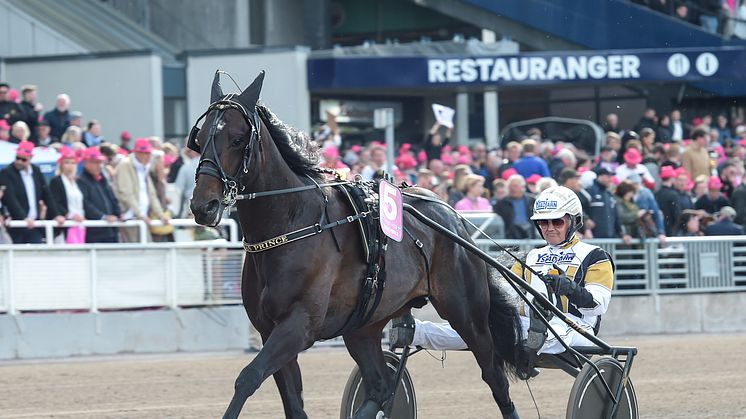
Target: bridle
(210,164)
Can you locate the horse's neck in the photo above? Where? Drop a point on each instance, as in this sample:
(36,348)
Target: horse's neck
(269,216)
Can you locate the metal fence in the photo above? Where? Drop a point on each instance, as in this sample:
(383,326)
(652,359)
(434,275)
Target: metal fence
(123,276)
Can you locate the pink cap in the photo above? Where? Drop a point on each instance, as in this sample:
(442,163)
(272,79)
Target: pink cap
(667,172)
(142,145)
(462,149)
(508,173)
(355,148)
(422,156)
(463,159)
(4,125)
(405,147)
(25,149)
(93,153)
(330,153)
(169,159)
(66,153)
(632,156)
(125,135)
(533,179)
(714,183)
(406,161)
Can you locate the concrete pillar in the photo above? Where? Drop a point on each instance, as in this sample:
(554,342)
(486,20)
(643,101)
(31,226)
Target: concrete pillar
(491,111)
(462,118)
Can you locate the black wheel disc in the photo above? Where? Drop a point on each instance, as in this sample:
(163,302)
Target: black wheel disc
(589,399)
(405,403)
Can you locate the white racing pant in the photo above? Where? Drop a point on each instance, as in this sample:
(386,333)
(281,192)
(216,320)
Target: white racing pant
(442,337)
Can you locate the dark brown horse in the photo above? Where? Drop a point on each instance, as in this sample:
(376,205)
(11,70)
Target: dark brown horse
(306,290)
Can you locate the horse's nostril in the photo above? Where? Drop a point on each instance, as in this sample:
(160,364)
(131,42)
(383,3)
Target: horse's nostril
(212,206)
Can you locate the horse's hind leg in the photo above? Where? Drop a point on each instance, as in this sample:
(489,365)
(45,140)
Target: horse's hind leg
(365,349)
(287,339)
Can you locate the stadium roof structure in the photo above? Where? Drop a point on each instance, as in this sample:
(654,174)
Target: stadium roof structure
(94,26)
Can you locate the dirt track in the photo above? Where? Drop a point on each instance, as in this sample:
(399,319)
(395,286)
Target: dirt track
(675,377)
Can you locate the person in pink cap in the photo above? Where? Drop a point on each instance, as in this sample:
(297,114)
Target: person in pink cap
(124,140)
(67,195)
(713,200)
(668,199)
(632,160)
(135,190)
(27,196)
(331,159)
(99,200)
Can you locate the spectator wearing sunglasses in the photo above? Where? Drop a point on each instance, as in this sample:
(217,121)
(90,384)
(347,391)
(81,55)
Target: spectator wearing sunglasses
(27,196)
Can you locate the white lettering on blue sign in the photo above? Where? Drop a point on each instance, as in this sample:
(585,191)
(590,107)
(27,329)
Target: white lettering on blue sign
(468,70)
(545,205)
(550,258)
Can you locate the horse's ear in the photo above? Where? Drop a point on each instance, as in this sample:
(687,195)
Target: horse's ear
(250,96)
(217,91)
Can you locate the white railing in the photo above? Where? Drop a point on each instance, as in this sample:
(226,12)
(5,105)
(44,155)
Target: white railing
(143,227)
(95,277)
(119,276)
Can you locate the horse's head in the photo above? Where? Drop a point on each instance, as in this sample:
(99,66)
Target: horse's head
(227,143)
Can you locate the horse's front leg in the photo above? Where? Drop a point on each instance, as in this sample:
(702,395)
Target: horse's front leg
(287,339)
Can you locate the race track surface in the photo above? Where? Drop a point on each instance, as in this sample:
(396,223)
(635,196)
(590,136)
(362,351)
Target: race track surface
(676,376)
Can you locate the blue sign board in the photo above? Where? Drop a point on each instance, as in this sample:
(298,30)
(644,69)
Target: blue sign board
(530,69)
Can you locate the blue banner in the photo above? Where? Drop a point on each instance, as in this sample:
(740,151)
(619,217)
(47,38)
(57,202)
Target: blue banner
(530,69)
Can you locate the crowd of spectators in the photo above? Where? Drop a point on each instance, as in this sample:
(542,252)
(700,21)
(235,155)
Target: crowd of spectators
(724,17)
(659,177)
(656,178)
(95,179)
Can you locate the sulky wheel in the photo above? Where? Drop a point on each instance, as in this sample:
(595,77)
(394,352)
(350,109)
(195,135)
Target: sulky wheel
(589,399)
(405,403)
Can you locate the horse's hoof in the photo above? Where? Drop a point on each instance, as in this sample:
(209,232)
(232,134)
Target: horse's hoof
(512,415)
(380,415)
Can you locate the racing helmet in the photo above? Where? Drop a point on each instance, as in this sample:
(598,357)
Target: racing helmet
(556,202)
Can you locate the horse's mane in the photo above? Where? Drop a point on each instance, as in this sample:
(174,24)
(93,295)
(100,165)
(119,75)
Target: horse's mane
(296,147)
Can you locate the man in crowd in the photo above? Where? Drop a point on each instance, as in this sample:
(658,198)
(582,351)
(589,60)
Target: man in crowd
(530,164)
(677,127)
(99,201)
(570,179)
(713,200)
(27,196)
(10,111)
(59,117)
(135,190)
(724,226)
(515,209)
(668,199)
(43,137)
(31,109)
(603,208)
(696,159)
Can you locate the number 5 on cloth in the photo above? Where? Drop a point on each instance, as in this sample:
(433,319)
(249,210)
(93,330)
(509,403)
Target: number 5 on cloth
(391,210)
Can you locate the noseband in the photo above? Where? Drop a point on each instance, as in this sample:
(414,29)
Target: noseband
(210,164)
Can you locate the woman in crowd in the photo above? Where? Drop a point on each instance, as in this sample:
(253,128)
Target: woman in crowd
(689,224)
(19,132)
(67,195)
(72,135)
(456,189)
(473,199)
(629,214)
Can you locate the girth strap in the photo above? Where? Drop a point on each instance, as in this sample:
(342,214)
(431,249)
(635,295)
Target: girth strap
(302,233)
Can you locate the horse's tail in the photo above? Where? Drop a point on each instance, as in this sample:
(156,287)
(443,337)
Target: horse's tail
(507,333)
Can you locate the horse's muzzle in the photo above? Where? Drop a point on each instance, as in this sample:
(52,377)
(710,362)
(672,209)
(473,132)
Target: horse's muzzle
(208,214)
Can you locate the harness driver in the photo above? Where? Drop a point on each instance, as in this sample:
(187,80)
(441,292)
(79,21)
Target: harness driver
(576,277)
